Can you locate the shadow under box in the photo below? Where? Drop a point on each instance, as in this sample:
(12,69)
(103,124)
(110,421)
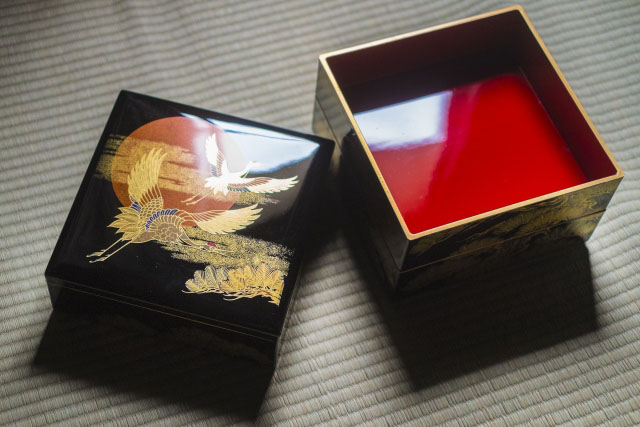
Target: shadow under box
(497,310)
(171,363)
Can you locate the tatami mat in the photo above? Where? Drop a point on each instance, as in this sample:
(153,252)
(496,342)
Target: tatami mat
(566,350)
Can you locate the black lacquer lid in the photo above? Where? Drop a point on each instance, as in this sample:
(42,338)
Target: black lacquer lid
(205,213)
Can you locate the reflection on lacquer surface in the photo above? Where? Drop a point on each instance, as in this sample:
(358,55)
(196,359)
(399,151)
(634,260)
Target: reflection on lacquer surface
(415,122)
(268,150)
(468,150)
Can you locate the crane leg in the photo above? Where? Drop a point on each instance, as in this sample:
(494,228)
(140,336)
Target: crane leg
(102,258)
(100,253)
(195,199)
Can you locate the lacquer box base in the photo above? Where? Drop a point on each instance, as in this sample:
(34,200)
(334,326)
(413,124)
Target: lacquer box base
(461,142)
(193,222)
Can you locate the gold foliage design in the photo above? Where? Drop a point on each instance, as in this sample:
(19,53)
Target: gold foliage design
(246,282)
(456,268)
(234,251)
(518,222)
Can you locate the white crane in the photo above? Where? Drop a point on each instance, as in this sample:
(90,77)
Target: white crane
(222,180)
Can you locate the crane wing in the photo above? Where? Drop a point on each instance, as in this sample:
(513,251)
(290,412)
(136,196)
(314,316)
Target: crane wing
(214,155)
(222,222)
(143,180)
(262,184)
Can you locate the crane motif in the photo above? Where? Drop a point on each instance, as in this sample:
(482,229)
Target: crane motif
(147,219)
(222,180)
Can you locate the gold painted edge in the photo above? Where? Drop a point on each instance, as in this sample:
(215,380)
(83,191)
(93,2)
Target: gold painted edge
(414,236)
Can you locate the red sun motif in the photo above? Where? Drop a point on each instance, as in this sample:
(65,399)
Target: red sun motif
(185,167)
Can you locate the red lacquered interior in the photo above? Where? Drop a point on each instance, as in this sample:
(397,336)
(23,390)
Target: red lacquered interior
(468,150)
(467,119)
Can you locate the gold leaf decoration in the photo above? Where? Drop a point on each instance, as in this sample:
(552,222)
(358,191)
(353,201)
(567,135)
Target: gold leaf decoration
(236,251)
(236,283)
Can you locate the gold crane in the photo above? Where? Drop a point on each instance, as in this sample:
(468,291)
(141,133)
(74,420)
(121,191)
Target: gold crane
(148,220)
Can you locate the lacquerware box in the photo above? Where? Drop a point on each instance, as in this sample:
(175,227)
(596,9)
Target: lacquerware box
(460,143)
(191,218)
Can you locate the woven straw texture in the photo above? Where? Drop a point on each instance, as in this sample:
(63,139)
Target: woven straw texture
(549,339)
